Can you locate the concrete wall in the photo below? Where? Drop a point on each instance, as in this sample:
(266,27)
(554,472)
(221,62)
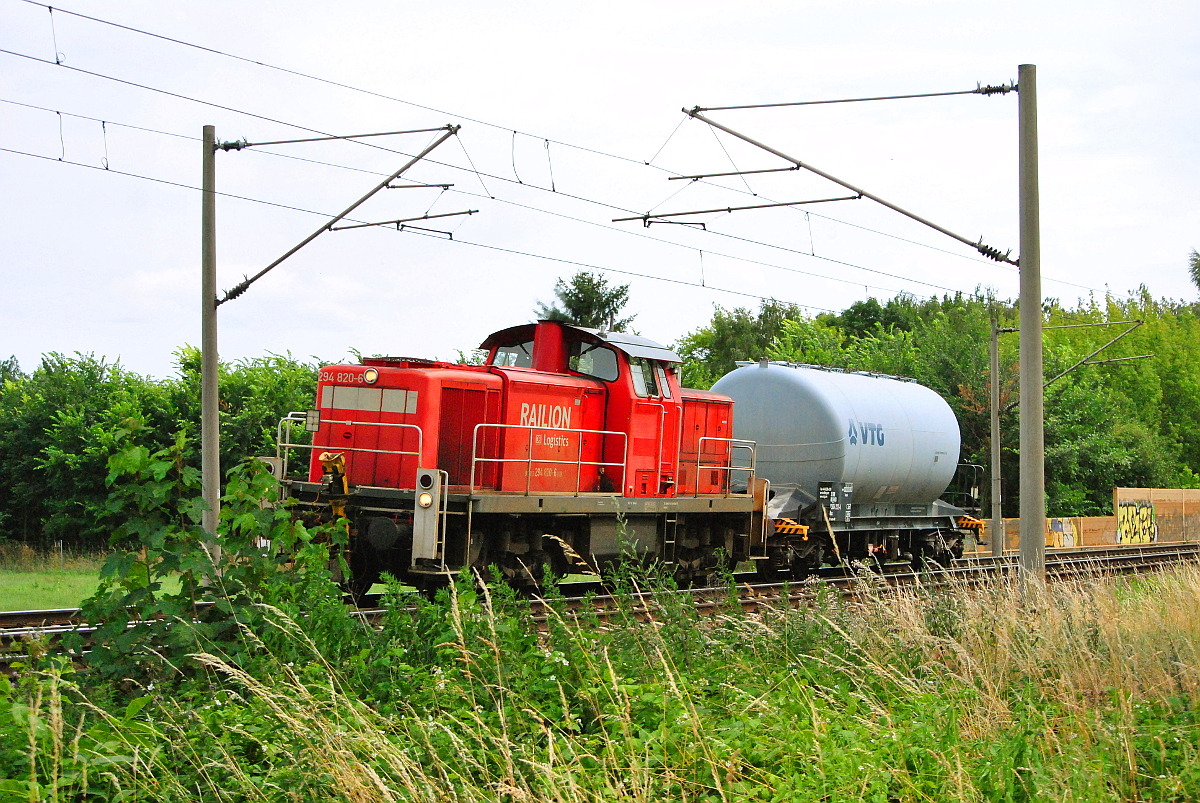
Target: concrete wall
(1143,516)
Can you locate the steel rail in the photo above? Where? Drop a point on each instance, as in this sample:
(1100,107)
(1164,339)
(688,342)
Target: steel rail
(1066,563)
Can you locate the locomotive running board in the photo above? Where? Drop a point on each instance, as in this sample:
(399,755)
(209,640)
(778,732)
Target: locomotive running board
(374,497)
(610,504)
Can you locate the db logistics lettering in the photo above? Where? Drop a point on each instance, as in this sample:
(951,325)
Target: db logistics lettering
(545,415)
(869,434)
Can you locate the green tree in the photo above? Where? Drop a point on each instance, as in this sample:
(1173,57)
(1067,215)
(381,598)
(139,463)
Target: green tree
(56,435)
(712,351)
(255,393)
(865,317)
(10,369)
(1194,267)
(60,424)
(587,299)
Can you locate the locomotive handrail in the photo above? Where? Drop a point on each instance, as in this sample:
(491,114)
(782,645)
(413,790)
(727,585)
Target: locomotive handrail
(528,460)
(283,446)
(734,443)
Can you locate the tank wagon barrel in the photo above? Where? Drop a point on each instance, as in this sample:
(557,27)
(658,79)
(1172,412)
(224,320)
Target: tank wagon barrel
(858,459)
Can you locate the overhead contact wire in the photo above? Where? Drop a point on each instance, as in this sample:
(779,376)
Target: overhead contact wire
(463,242)
(327,81)
(214,51)
(493,197)
(471,194)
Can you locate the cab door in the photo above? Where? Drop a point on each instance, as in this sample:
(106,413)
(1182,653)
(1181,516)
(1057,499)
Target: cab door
(653,431)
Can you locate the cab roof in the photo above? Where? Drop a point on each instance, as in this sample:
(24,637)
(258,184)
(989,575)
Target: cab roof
(633,345)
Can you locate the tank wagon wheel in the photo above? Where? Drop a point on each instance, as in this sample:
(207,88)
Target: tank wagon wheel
(932,552)
(805,566)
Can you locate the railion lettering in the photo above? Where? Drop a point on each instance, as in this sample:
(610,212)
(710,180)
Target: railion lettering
(550,416)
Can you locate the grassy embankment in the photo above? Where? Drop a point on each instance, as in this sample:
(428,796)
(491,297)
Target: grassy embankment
(34,581)
(31,580)
(1088,692)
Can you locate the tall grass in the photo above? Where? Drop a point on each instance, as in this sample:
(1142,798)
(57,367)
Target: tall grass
(18,557)
(39,579)
(1083,691)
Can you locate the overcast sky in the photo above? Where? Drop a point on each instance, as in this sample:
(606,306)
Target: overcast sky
(104,262)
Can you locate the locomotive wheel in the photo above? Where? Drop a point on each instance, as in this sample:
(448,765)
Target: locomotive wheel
(364,570)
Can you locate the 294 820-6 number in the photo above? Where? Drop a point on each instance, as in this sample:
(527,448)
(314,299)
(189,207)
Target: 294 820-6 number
(342,378)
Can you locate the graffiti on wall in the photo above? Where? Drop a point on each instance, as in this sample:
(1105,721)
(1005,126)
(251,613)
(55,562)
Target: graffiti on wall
(1136,523)
(1061,533)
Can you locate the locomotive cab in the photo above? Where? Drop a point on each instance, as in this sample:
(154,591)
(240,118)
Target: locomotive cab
(569,447)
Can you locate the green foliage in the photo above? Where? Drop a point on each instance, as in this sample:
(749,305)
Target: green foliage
(865,317)
(276,692)
(462,696)
(45,752)
(60,424)
(173,589)
(1133,424)
(738,334)
(1194,267)
(58,427)
(587,299)
(255,394)
(10,369)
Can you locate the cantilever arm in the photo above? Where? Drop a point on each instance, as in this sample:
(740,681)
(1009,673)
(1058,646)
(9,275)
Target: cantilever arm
(242,286)
(986,250)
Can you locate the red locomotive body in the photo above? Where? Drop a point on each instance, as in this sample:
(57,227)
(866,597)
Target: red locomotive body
(568,448)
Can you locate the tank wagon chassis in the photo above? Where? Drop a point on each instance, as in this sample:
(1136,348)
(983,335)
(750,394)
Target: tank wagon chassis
(795,550)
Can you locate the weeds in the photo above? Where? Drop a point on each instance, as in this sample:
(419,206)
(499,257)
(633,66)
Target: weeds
(1084,691)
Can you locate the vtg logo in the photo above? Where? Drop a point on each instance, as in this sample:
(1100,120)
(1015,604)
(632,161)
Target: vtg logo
(869,434)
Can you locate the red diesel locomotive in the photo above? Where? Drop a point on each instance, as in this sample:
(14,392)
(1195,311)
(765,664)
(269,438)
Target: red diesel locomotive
(567,449)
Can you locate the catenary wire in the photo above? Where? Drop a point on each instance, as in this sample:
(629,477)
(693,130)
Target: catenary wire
(473,169)
(612,228)
(305,128)
(462,242)
(394,99)
(327,81)
(288,207)
(575,263)
(493,197)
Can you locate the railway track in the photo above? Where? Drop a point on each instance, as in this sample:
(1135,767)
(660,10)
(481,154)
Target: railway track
(48,625)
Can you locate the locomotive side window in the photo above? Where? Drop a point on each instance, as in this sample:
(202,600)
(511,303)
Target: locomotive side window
(517,355)
(645,383)
(593,359)
(663,384)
